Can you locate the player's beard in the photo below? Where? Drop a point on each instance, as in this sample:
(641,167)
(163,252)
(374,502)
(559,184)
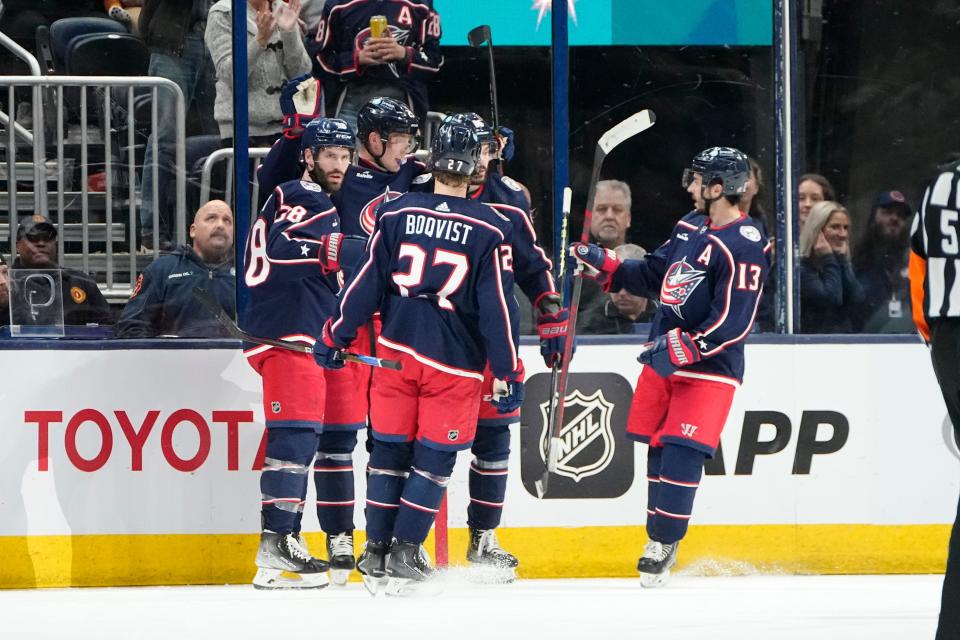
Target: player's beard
(479,176)
(320,177)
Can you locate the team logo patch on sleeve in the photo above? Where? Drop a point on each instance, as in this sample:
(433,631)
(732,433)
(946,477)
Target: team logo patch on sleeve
(750,233)
(679,284)
(79,295)
(311,186)
(423,178)
(511,183)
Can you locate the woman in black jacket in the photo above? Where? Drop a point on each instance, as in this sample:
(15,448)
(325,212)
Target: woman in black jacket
(829,291)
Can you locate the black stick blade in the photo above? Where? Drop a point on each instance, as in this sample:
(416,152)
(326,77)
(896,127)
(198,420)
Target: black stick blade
(479,35)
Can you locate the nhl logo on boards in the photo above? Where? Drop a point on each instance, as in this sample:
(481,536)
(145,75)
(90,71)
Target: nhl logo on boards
(586,421)
(275,406)
(596,458)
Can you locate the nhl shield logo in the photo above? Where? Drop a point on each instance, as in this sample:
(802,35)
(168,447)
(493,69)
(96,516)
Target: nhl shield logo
(587,433)
(275,406)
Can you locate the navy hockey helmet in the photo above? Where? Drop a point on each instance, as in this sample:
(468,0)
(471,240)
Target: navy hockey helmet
(327,132)
(725,165)
(483,130)
(456,148)
(386,116)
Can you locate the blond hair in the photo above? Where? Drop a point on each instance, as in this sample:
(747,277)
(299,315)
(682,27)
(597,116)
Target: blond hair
(816,221)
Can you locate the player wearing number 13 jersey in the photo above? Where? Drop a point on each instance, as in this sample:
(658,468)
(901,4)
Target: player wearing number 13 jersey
(437,268)
(709,278)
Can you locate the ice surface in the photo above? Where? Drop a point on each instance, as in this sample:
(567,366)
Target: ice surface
(690,608)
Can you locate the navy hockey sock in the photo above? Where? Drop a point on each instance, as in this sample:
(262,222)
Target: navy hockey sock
(333,479)
(388,470)
(283,480)
(488,476)
(680,471)
(654,456)
(423,492)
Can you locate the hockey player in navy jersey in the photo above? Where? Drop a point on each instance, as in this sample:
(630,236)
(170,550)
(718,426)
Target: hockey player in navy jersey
(292,255)
(709,278)
(532,273)
(395,63)
(438,269)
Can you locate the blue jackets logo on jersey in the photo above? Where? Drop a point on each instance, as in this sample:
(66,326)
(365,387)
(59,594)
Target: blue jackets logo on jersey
(368,215)
(680,281)
(588,443)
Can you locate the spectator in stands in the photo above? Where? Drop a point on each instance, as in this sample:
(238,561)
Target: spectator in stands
(275,54)
(37,249)
(608,226)
(398,64)
(621,312)
(611,213)
(173,30)
(750,201)
(163,304)
(813,188)
(829,292)
(880,264)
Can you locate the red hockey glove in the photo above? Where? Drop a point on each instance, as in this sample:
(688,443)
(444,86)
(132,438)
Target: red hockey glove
(552,324)
(329,253)
(300,100)
(508,393)
(598,263)
(671,351)
(325,351)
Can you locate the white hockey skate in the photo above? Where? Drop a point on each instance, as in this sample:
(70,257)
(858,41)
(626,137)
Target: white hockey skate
(655,564)
(493,563)
(340,557)
(283,562)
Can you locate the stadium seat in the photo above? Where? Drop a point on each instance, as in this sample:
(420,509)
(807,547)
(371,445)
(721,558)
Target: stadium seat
(63,32)
(107,54)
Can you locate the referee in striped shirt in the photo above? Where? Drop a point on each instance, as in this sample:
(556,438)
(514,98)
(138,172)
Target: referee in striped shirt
(935,294)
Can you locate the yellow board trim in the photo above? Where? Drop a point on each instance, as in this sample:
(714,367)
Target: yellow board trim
(548,552)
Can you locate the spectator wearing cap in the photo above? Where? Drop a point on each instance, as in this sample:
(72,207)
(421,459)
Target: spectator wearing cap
(621,312)
(880,264)
(275,54)
(37,249)
(163,304)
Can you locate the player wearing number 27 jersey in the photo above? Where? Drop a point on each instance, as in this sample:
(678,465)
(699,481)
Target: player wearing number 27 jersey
(437,270)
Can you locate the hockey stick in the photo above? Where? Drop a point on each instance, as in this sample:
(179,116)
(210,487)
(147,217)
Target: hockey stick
(221,316)
(477,37)
(541,484)
(635,124)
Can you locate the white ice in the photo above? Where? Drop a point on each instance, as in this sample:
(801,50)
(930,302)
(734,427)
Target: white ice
(690,608)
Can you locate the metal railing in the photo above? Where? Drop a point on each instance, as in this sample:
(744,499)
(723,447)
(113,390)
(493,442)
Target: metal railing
(226,155)
(36,139)
(107,86)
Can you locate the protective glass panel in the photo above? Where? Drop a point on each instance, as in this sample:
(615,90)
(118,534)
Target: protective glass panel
(877,117)
(36,303)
